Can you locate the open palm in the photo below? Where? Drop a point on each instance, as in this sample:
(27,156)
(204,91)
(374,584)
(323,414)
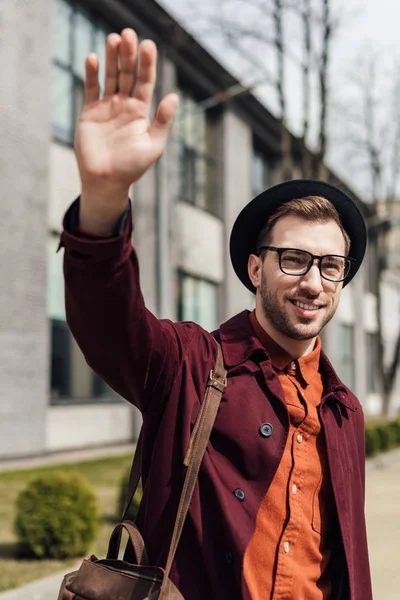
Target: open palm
(115,140)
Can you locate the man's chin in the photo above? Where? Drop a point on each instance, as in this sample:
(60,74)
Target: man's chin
(305,331)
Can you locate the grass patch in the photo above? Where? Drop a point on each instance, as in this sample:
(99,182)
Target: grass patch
(104,476)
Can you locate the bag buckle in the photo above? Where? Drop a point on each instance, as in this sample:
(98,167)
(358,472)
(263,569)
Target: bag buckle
(216,381)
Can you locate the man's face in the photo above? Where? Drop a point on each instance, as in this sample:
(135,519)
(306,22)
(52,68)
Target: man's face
(279,294)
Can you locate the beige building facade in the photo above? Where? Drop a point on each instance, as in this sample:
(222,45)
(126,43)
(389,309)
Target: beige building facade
(216,161)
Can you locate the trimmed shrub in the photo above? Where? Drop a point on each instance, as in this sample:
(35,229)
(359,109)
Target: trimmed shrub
(396,430)
(372,440)
(57,516)
(386,435)
(134,507)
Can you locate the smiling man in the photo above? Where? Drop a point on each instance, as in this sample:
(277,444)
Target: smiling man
(278,510)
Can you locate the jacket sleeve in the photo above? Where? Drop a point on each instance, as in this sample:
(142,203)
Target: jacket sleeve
(135,353)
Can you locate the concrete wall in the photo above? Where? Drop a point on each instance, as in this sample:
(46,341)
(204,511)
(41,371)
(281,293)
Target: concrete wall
(24,182)
(236,160)
(86,425)
(199,242)
(65,184)
(358,308)
(391,327)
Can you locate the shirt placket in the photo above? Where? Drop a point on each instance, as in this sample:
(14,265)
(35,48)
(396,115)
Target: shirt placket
(300,456)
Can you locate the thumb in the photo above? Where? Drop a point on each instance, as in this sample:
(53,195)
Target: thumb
(164,117)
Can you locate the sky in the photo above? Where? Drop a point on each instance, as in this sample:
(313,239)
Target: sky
(365,25)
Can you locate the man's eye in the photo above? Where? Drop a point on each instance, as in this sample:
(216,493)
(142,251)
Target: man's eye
(294,260)
(333,266)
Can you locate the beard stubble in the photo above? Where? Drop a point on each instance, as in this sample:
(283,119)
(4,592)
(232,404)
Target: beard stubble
(304,329)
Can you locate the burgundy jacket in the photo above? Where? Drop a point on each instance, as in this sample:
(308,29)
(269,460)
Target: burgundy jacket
(162,368)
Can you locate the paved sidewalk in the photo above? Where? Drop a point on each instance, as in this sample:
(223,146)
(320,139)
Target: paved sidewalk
(43,589)
(70,456)
(383,522)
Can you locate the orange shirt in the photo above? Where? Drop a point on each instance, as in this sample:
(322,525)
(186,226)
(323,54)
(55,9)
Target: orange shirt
(289,553)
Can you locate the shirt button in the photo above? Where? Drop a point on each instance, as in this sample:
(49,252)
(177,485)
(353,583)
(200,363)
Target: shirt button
(293,365)
(229,557)
(286,547)
(240,495)
(294,488)
(299,438)
(266,430)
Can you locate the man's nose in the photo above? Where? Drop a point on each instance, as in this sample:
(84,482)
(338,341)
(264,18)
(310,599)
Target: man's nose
(312,281)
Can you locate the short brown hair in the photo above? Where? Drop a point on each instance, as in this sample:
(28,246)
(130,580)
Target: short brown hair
(311,208)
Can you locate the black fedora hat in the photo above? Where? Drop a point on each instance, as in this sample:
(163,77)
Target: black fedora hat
(254,216)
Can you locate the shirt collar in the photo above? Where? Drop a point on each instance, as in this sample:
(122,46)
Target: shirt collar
(239,342)
(308,365)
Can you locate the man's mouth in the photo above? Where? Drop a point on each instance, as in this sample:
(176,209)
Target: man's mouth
(305,309)
(306,306)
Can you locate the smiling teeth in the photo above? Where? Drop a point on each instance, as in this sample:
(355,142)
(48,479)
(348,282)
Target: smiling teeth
(306,306)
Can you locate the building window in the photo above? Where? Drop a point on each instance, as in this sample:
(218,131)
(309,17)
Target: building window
(372,342)
(76,33)
(260,172)
(345,355)
(198,301)
(197,163)
(71,379)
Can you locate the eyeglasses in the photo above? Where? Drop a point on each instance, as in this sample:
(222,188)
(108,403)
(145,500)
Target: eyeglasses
(332,267)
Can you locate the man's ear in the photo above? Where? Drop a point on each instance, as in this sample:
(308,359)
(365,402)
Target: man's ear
(254,268)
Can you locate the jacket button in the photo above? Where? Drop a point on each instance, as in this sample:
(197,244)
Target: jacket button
(229,557)
(266,430)
(240,495)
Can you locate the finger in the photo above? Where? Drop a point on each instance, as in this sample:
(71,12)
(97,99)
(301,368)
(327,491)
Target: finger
(92,86)
(112,52)
(147,72)
(127,61)
(164,118)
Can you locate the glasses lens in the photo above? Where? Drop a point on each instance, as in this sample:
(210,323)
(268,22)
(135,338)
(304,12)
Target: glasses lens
(335,268)
(295,262)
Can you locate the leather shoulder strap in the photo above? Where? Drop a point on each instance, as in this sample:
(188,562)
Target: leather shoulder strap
(194,455)
(196,450)
(134,476)
(136,469)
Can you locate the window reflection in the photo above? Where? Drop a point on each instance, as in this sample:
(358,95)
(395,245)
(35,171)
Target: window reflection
(76,33)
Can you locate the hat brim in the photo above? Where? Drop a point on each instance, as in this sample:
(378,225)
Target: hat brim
(254,216)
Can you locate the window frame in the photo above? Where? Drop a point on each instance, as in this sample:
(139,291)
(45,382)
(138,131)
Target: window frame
(260,155)
(197,280)
(97,23)
(100,392)
(207,191)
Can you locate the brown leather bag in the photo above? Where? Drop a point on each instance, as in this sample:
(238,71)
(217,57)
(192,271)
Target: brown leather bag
(113,579)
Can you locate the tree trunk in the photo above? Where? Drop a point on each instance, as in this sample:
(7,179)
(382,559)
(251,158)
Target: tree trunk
(306,20)
(323,85)
(286,140)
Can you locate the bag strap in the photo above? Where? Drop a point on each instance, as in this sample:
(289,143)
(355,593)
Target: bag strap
(135,539)
(134,476)
(136,469)
(195,453)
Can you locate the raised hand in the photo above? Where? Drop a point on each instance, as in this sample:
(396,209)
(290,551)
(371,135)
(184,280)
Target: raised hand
(115,140)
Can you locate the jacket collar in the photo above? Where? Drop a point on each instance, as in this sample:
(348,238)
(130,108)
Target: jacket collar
(239,343)
(238,340)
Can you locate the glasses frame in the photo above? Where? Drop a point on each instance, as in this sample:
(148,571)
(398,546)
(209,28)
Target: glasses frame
(313,258)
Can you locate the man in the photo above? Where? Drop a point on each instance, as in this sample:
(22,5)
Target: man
(278,512)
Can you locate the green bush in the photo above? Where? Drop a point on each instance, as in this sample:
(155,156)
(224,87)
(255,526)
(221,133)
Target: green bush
(134,507)
(395,425)
(372,440)
(57,516)
(386,436)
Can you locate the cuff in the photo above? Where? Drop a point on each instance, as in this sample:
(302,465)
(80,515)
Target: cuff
(82,245)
